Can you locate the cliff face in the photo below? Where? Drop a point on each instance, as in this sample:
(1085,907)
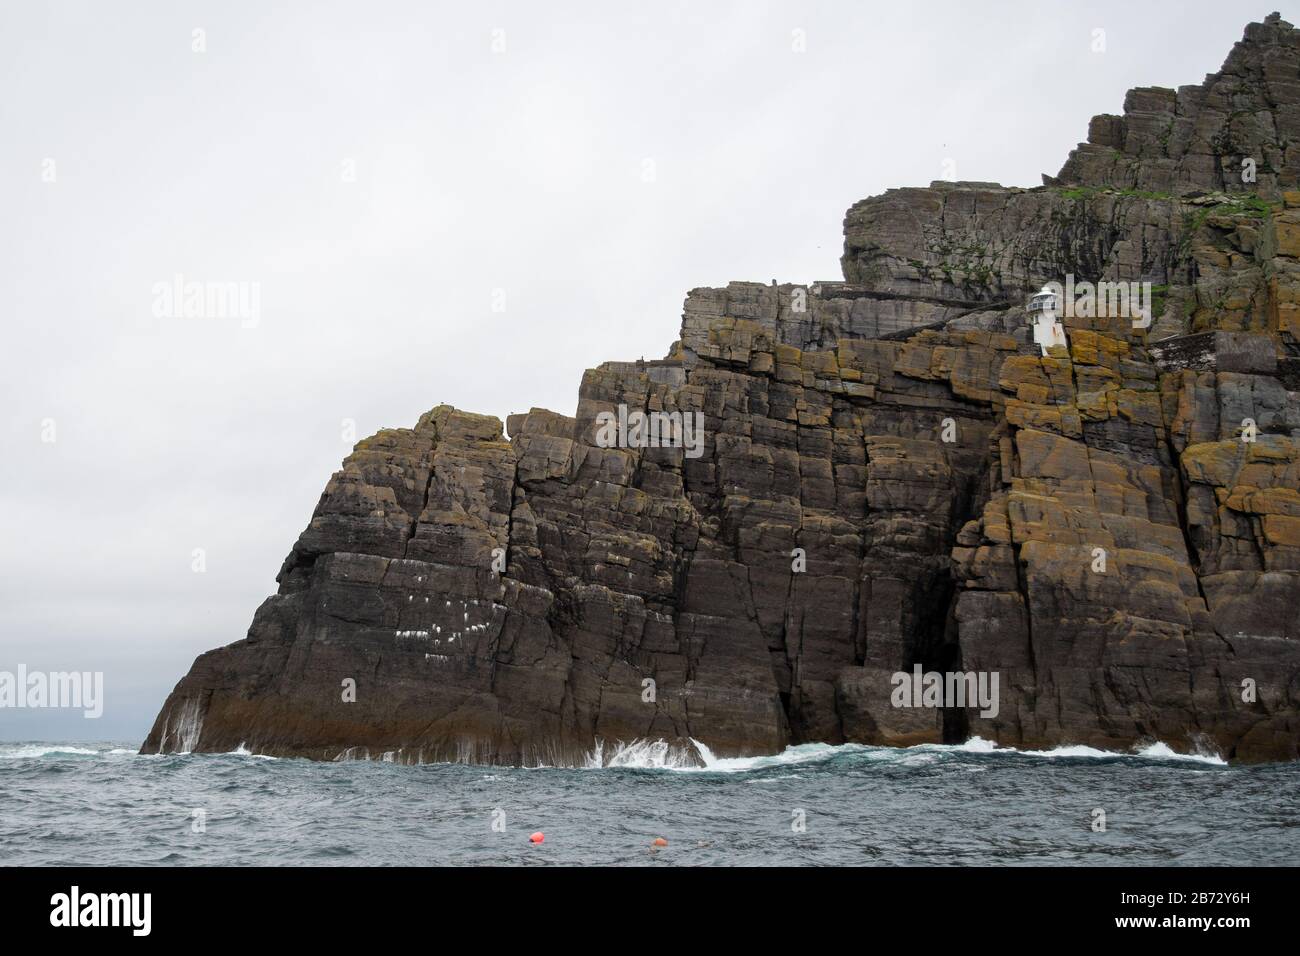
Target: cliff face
(891,474)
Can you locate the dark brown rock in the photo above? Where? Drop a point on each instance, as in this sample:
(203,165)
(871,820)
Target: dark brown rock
(890,474)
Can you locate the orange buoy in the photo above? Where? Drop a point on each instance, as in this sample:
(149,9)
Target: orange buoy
(660,841)
(537,837)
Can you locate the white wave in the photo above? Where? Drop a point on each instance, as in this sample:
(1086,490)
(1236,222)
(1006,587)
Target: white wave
(1069,750)
(1153,751)
(1160,751)
(243,751)
(37,750)
(646,754)
(32,751)
(699,758)
(800,753)
(660,755)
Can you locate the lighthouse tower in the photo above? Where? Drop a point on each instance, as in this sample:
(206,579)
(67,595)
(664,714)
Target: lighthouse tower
(1045,316)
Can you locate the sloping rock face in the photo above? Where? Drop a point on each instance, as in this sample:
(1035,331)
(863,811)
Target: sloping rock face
(1196,137)
(890,476)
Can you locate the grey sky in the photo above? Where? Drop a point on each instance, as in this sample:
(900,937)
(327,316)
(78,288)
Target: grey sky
(475,171)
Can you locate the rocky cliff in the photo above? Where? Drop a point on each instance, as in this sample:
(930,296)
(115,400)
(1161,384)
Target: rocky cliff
(891,475)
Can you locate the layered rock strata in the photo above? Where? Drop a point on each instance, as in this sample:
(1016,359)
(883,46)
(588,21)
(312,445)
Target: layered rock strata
(891,475)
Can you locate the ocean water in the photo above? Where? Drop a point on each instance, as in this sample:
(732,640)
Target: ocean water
(101,804)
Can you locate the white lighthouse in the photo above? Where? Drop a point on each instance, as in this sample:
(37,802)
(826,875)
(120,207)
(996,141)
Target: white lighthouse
(1045,316)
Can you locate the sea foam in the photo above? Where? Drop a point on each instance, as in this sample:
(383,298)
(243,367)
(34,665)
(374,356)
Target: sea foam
(646,754)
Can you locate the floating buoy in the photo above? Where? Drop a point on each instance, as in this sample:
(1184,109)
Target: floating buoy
(660,841)
(537,837)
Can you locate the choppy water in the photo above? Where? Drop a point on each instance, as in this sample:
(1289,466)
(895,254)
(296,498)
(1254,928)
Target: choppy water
(103,804)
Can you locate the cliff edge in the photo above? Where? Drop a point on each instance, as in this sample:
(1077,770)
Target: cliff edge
(891,475)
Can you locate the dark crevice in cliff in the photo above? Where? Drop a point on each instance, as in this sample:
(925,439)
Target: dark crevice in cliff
(428,490)
(956,720)
(1182,492)
(1022,585)
(788,682)
(515,490)
(968,506)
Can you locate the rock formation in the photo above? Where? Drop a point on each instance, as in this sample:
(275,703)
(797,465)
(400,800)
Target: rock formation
(891,475)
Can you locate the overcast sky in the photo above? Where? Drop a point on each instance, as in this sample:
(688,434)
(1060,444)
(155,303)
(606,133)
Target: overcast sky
(383,175)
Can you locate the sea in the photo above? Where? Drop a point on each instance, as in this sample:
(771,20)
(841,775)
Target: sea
(814,804)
